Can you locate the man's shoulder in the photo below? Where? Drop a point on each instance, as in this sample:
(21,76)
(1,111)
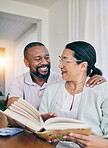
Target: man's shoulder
(22,77)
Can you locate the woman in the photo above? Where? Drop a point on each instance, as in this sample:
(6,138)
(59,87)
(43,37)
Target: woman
(74,100)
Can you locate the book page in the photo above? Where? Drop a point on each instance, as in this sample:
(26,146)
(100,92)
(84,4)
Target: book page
(22,119)
(22,112)
(62,126)
(61,120)
(58,127)
(29,108)
(64,123)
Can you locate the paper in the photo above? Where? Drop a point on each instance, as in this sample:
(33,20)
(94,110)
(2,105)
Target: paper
(9,131)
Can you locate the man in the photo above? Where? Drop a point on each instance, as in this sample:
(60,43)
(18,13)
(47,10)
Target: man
(31,85)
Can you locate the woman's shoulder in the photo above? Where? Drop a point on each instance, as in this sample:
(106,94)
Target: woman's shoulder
(99,89)
(98,86)
(102,85)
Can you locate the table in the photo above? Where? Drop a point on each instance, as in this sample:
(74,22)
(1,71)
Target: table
(25,139)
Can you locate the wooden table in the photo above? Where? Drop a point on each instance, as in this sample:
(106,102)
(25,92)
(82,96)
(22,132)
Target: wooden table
(25,139)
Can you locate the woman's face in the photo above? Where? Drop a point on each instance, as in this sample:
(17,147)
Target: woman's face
(70,70)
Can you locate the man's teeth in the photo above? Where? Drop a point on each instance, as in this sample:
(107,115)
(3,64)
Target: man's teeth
(43,68)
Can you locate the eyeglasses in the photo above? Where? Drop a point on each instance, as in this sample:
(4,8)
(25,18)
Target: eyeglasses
(64,61)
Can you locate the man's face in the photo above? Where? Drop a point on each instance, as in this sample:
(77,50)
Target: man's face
(39,61)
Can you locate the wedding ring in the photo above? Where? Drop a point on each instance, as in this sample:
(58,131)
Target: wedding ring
(99,79)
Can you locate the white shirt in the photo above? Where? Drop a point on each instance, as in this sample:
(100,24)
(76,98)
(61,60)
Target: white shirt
(63,105)
(62,109)
(25,88)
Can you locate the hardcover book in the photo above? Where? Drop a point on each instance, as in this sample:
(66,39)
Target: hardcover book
(27,114)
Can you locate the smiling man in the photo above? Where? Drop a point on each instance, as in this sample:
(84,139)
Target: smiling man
(31,85)
(38,60)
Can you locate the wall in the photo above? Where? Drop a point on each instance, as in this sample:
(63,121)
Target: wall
(58,31)
(29,36)
(38,14)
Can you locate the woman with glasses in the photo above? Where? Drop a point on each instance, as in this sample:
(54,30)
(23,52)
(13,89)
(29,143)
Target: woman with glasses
(73,99)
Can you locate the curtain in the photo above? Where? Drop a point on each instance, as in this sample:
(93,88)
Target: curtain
(88,21)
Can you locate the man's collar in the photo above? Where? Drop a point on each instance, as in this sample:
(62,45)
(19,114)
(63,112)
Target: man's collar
(29,80)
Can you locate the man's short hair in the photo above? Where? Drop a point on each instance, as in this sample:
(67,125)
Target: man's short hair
(32,44)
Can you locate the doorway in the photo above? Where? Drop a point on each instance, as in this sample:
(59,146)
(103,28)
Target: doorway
(2,73)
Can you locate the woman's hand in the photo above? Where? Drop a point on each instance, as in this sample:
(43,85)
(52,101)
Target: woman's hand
(48,116)
(96,79)
(53,141)
(92,141)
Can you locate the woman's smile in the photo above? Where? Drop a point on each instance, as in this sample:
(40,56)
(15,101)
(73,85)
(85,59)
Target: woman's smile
(63,72)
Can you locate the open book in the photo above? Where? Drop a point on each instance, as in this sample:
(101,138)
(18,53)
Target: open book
(25,113)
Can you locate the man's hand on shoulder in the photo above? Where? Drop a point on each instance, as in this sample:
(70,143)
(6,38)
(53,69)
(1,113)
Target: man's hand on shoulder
(95,79)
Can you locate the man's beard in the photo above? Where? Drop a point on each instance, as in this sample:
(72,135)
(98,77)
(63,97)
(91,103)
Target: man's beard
(39,75)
